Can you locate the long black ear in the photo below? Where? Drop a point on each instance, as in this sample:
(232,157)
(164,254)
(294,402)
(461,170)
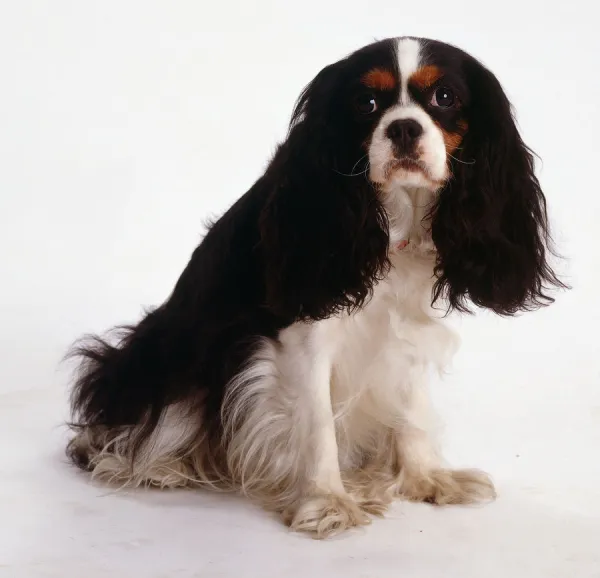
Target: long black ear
(490,225)
(324,233)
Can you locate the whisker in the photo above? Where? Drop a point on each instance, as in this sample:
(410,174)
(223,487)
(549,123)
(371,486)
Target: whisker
(460,161)
(352,173)
(358,161)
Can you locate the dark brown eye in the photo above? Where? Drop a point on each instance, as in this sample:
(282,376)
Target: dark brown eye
(443,97)
(366,103)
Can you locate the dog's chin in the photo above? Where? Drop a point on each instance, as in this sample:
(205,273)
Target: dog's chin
(412,174)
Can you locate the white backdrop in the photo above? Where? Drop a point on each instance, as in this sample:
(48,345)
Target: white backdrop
(124,125)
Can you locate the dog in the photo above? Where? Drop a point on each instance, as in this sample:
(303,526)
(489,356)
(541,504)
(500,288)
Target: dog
(290,362)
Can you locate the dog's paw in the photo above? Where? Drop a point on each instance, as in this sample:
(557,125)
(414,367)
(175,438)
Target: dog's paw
(325,515)
(444,487)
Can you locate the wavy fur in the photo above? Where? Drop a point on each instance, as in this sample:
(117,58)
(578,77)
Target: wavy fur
(289,362)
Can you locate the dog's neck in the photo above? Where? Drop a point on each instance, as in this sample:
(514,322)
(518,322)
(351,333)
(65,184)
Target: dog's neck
(408,214)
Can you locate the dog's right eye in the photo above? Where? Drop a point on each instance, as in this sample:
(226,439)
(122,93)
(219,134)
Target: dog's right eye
(366,103)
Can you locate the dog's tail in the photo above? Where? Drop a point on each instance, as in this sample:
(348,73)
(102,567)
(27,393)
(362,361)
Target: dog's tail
(121,382)
(137,410)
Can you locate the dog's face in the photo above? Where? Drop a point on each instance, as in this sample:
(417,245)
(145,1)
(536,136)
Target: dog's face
(400,107)
(420,119)
(410,113)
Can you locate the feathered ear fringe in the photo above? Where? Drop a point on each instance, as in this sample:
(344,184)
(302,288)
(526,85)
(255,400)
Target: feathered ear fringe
(324,236)
(490,224)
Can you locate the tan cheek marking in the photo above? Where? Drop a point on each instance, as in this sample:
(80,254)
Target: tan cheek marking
(379,79)
(452,140)
(425,77)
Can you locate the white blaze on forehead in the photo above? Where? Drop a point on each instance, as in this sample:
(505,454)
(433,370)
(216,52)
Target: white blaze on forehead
(409,56)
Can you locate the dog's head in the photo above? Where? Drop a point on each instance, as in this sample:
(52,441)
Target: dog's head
(410,113)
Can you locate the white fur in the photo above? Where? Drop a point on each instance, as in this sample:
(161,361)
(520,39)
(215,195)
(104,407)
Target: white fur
(177,428)
(409,58)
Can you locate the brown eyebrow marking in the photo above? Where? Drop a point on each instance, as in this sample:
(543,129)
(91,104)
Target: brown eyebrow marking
(379,79)
(426,76)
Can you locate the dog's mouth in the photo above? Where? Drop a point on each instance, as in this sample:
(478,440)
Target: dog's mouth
(408,164)
(408,167)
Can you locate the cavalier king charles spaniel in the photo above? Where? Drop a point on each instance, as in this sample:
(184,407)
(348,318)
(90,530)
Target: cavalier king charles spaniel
(290,362)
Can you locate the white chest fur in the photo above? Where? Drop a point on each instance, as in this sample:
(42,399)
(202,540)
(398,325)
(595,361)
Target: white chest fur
(381,355)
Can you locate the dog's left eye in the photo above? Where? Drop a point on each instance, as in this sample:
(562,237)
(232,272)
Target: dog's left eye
(443,97)
(366,103)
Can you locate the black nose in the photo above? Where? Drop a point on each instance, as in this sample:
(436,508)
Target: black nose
(404,134)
